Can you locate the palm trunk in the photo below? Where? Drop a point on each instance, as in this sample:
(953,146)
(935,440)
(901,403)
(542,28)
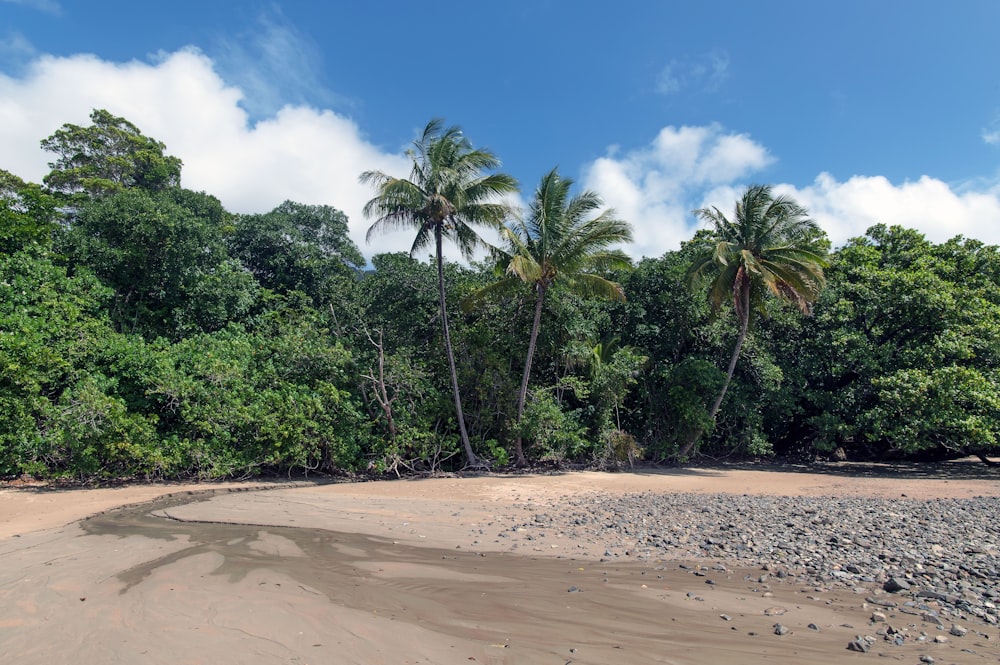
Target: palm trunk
(744,326)
(470,456)
(522,396)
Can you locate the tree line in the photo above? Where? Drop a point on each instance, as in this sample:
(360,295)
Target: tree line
(147,331)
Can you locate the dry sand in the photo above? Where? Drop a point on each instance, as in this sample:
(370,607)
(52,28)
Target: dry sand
(413,571)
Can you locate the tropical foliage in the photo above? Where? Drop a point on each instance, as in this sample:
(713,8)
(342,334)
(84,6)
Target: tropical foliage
(146,331)
(564,240)
(447,196)
(768,248)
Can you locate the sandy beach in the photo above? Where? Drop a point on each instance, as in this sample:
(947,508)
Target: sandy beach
(439,570)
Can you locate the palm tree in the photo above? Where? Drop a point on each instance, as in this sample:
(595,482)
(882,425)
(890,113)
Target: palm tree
(770,246)
(562,240)
(446,195)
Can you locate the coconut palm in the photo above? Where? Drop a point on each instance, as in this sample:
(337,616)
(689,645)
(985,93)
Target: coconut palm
(564,239)
(446,196)
(771,246)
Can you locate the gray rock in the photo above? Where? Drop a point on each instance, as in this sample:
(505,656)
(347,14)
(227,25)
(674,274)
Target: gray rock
(895,585)
(858,645)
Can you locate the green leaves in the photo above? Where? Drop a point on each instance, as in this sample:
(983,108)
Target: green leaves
(109,156)
(901,355)
(163,254)
(447,194)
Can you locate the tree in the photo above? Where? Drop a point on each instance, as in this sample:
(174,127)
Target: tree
(563,240)
(446,196)
(298,247)
(771,246)
(901,356)
(28,214)
(110,155)
(163,254)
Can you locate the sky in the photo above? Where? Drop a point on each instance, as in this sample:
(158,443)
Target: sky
(863,111)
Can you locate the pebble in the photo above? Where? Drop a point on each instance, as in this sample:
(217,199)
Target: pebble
(907,555)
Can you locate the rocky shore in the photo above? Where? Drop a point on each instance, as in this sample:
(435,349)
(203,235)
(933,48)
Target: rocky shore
(938,559)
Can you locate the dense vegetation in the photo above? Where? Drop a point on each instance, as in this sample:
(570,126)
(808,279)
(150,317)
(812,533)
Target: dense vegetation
(147,331)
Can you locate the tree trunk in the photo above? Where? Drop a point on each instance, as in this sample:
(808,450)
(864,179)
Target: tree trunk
(470,456)
(986,460)
(378,385)
(522,396)
(744,326)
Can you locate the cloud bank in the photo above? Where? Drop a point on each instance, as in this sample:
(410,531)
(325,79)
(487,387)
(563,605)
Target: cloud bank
(300,153)
(686,168)
(311,155)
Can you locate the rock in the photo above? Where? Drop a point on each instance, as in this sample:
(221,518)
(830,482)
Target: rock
(895,585)
(958,631)
(858,645)
(780,629)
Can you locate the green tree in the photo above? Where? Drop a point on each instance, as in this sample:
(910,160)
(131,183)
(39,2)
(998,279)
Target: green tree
(564,240)
(771,246)
(901,356)
(28,214)
(64,375)
(108,156)
(297,247)
(446,196)
(163,254)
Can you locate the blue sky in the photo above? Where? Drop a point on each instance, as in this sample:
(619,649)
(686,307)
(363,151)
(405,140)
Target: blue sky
(865,111)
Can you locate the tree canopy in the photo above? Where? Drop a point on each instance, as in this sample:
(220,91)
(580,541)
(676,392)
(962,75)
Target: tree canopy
(108,156)
(146,331)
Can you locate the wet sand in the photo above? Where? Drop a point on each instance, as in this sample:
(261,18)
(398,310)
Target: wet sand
(415,572)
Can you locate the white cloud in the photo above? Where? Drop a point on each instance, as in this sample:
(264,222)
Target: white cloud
(702,73)
(314,156)
(275,65)
(656,187)
(301,153)
(683,169)
(846,209)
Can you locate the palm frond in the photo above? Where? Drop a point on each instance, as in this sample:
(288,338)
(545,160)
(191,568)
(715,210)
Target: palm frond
(595,286)
(767,247)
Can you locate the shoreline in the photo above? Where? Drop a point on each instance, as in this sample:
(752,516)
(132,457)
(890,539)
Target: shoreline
(588,567)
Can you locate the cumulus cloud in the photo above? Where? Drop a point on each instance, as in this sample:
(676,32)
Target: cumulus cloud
(300,153)
(658,187)
(846,209)
(314,156)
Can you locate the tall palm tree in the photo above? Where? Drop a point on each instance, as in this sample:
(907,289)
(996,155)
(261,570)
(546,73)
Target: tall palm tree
(564,239)
(771,246)
(446,195)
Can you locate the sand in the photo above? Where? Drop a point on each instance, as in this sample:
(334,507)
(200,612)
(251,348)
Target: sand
(414,571)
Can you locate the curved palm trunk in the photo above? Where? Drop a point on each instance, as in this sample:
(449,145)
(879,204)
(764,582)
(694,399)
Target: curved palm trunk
(522,396)
(744,314)
(469,455)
